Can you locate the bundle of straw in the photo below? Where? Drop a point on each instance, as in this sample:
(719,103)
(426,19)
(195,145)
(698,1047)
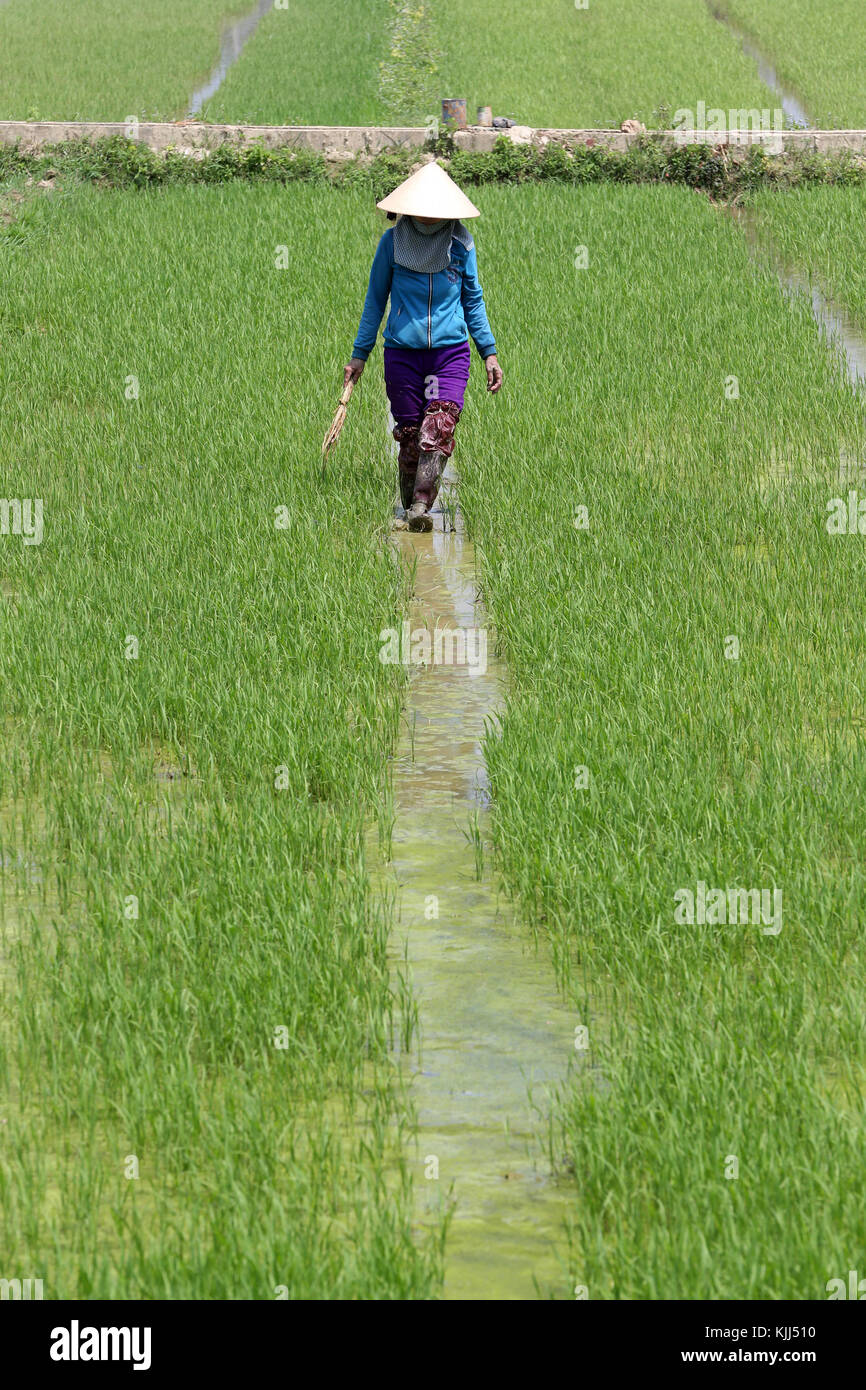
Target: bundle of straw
(337,423)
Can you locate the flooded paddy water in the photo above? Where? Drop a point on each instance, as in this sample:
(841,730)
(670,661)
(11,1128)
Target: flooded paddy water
(494,1037)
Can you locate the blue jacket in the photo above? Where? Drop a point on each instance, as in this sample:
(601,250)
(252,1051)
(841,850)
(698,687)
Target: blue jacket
(427,311)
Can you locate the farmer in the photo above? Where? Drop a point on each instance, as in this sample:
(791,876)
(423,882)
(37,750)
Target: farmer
(427,264)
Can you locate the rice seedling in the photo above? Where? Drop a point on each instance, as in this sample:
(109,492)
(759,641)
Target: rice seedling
(684,640)
(448,505)
(476,840)
(197,1007)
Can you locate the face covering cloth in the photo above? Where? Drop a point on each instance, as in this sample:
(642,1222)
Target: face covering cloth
(425,248)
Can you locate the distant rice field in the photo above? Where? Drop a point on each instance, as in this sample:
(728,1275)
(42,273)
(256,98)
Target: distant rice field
(595,66)
(311,64)
(819,50)
(326,62)
(99,60)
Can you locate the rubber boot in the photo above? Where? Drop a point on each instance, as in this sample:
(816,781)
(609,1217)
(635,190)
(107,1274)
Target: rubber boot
(407,488)
(407,460)
(431,462)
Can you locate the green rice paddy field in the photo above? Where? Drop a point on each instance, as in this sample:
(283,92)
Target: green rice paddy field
(193,964)
(592,66)
(200,1013)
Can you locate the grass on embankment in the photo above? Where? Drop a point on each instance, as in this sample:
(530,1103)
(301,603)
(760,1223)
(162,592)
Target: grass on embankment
(822,231)
(722,1049)
(177,899)
(103,61)
(817,50)
(120,163)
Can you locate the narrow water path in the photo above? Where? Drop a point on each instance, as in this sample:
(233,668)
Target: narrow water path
(495,1036)
(234,39)
(833,318)
(843,332)
(791,104)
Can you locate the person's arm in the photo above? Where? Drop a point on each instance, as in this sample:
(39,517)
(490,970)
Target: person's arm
(477,322)
(374,306)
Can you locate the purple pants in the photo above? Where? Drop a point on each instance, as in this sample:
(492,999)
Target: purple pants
(425,388)
(416,376)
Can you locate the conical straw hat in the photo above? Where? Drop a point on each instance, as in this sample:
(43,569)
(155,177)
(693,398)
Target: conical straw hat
(429,193)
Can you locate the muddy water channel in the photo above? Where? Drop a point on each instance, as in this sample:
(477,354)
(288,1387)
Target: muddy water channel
(494,1035)
(234,39)
(791,104)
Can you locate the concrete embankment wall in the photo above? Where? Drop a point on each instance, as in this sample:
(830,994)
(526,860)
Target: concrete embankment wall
(347,142)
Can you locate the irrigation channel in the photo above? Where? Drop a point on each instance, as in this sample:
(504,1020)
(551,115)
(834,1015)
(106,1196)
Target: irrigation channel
(234,39)
(791,104)
(495,1037)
